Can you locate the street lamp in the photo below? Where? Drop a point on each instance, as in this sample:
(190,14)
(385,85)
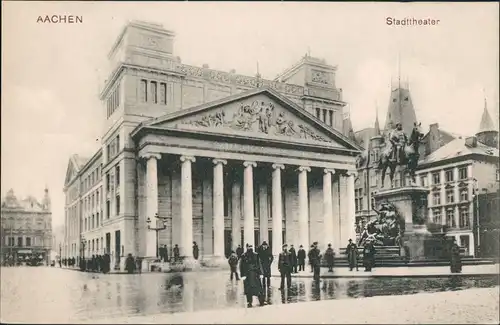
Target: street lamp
(157,229)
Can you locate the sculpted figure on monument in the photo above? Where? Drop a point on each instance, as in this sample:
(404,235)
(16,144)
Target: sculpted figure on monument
(386,228)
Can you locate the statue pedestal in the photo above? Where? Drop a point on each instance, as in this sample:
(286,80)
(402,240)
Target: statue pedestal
(410,201)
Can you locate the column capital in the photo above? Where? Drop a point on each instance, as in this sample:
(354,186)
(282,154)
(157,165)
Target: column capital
(151,155)
(304,169)
(249,164)
(187,158)
(353,173)
(278,166)
(329,170)
(219,161)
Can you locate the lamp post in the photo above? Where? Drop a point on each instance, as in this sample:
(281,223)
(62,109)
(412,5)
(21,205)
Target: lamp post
(60,255)
(157,228)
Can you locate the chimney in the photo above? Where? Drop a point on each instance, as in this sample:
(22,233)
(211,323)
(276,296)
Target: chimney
(434,139)
(471,142)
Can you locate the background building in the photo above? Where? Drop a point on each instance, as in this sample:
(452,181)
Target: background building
(147,81)
(26,227)
(453,167)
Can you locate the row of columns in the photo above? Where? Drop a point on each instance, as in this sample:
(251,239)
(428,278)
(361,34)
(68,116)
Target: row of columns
(248,204)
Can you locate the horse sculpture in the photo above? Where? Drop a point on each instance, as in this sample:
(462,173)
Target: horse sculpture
(409,156)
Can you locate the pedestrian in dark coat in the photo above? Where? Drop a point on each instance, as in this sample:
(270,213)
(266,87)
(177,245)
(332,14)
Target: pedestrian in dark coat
(266,259)
(301,258)
(130,264)
(330,257)
(196,250)
(233,265)
(316,261)
(455,258)
(251,273)
(106,263)
(368,256)
(285,267)
(93,264)
(309,257)
(293,254)
(176,253)
(352,255)
(165,253)
(239,251)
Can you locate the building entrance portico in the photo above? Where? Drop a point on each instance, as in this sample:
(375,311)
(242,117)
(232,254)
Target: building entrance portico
(271,172)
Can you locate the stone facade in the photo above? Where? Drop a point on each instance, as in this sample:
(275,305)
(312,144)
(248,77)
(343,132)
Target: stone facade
(224,159)
(26,227)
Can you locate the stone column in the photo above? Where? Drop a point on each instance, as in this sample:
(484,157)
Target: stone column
(351,205)
(248,205)
(263,212)
(277,217)
(328,207)
(303,207)
(151,200)
(236,213)
(218,206)
(186,248)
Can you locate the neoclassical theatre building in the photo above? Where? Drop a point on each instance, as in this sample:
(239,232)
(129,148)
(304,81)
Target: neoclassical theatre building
(224,159)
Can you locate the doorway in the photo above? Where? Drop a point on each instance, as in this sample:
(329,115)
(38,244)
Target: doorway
(118,247)
(108,243)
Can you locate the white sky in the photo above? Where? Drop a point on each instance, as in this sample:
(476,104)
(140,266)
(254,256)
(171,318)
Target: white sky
(51,73)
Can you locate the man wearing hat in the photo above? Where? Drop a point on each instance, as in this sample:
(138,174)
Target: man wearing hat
(266,259)
(301,258)
(315,261)
(352,255)
(398,140)
(251,274)
(285,267)
(329,257)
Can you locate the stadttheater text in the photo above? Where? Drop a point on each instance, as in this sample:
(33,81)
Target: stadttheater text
(391,21)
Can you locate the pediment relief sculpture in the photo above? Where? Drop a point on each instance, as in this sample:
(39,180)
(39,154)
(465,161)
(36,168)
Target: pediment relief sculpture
(319,77)
(259,116)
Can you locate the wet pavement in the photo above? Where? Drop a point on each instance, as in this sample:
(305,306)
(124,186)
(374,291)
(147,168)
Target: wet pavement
(44,294)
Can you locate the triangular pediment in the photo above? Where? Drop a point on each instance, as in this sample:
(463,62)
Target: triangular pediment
(71,171)
(260,113)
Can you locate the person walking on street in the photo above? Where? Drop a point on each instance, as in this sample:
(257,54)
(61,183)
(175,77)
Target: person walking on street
(309,257)
(316,261)
(176,253)
(455,258)
(239,251)
(285,267)
(130,264)
(251,274)
(266,259)
(352,255)
(368,256)
(233,265)
(301,258)
(293,254)
(330,257)
(196,251)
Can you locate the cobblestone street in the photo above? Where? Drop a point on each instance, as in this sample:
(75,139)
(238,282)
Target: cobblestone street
(72,296)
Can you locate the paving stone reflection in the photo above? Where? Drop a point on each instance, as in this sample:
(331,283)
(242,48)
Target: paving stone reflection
(52,294)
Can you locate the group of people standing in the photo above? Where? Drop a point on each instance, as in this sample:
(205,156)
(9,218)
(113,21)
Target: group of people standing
(368,255)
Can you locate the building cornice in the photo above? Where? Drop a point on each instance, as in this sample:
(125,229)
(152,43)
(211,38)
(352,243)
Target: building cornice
(468,157)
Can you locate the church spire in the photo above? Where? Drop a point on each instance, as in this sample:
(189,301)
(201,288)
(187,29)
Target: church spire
(377,126)
(486,121)
(487,133)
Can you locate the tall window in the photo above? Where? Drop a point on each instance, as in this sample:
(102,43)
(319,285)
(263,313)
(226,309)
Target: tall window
(28,241)
(154,94)
(330,113)
(97,219)
(117,205)
(464,218)
(449,175)
(117,175)
(20,241)
(324,115)
(11,241)
(108,209)
(163,93)
(450,218)
(450,196)
(93,221)
(318,112)
(117,144)
(97,198)
(436,179)
(462,173)
(436,198)
(359,199)
(86,225)
(144,91)
(437,216)
(464,195)
(108,182)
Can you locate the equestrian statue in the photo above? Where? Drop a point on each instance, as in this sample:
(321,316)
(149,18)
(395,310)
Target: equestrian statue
(400,150)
